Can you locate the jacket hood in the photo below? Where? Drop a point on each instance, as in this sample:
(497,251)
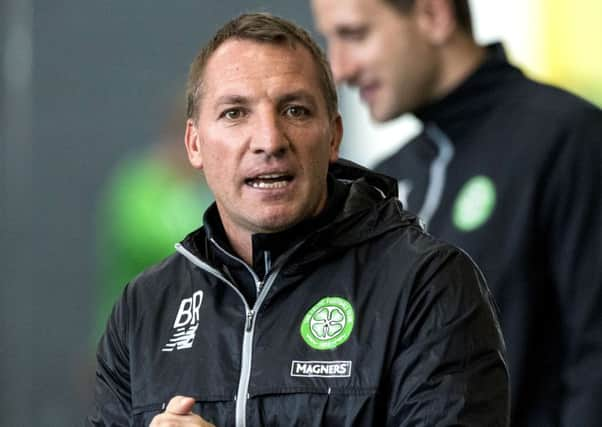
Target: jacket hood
(371,207)
(350,172)
(370,210)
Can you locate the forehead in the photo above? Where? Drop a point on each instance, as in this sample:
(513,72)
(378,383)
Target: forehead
(246,67)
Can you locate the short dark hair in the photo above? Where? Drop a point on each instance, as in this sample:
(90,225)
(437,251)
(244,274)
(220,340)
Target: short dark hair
(461,10)
(262,28)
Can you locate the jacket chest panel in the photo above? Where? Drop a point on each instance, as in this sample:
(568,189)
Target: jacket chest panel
(330,333)
(317,341)
(188,347)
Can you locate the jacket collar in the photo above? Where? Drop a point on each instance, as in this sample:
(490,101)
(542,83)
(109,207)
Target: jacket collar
(267,247)
(362,204)
(483,87)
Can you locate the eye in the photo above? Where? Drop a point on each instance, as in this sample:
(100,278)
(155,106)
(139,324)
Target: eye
(353,34)
(296,111)
(233,113)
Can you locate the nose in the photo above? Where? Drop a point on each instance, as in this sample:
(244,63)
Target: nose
(343,68)
(269,137)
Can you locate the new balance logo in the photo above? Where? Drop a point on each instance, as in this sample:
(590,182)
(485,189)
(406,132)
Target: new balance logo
(334,369)
(186,323)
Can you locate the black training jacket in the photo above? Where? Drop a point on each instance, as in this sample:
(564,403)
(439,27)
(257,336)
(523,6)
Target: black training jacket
(510,171)
(366,321)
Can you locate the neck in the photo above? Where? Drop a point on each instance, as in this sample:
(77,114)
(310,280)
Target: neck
(459,58)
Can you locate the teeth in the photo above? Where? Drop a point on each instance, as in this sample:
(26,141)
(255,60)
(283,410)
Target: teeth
(273,184)
(269,176)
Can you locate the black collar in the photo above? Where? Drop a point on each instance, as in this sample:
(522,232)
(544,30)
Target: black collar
(267,247)
(482,88)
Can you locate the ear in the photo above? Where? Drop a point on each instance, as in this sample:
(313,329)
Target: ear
(436,19)
(337,137)
(193,145)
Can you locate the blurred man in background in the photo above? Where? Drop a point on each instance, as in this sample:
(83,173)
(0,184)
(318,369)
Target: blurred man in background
(507,169)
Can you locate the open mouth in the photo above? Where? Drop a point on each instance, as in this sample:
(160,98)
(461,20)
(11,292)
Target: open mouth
(269,181)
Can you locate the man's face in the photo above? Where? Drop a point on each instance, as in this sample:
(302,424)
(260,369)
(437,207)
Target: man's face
(263,136)
(383,52)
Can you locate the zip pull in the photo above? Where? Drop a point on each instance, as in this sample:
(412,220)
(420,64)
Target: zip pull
(249,324)
(259,286)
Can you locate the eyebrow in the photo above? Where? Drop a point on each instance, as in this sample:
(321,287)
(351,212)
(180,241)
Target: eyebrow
(300,95)
(232,99)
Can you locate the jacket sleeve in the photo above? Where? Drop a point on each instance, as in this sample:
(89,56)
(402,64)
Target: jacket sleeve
(571,221)
(112,392)
(449,368)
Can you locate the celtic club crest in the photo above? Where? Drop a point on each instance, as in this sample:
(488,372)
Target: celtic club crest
(328,323)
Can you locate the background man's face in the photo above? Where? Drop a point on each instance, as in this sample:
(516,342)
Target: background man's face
(264,136)
(384,53)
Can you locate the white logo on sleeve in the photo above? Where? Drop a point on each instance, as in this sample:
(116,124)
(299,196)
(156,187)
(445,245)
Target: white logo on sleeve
(186,323)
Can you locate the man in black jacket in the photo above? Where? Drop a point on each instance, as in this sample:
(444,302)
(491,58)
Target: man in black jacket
(507,169)
(308,297)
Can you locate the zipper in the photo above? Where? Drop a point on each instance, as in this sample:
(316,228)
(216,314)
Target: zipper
(242,394)
(249,323)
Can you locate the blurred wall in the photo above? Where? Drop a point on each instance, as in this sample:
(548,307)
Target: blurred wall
(100,76)
(16,238)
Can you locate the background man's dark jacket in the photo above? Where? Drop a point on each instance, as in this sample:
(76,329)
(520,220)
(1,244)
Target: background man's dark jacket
(510,171)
